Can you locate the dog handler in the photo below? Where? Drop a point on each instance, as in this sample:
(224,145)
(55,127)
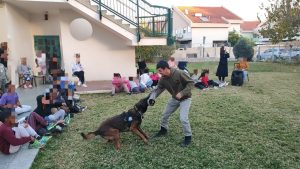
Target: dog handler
(179,85)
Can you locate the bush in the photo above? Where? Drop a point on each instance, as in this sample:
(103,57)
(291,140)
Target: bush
(149,53)
(233,37)
(243,48)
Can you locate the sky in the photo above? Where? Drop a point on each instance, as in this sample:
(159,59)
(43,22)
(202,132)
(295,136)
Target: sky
(246,9)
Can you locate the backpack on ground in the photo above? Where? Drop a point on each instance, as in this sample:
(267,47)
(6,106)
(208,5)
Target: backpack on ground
(237,78)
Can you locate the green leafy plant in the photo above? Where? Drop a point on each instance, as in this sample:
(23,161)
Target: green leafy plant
(244,48)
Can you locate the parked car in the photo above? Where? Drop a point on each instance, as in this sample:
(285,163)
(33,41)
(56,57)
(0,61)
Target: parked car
(292,53)
(272,53)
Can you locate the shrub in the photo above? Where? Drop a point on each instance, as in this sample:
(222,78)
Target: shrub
(243,48)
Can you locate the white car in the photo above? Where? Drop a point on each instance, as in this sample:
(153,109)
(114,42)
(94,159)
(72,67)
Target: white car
(272,53)
(294,52)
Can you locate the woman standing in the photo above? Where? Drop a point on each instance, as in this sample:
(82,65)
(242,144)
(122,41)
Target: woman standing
(222,70)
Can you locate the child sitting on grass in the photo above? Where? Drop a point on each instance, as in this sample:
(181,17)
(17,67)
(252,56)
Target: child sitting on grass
(205,82)
(57,118)
(145,80)
(119,84)
(155,78)
(134,87)
(196,76)
(13,135)
(57,115)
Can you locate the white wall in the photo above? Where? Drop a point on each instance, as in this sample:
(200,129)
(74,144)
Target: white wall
(20,41)
(101,55)
(211,34)
(179,22)
(39,26)
(3,30)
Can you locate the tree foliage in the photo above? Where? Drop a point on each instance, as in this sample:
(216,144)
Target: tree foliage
(283,20)
(243,48)
(150,52)
(233,37)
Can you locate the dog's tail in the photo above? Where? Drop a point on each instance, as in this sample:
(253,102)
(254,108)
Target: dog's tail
(88,135)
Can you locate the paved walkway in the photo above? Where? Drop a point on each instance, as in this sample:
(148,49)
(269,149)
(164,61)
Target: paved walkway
(95,87)
(24,158)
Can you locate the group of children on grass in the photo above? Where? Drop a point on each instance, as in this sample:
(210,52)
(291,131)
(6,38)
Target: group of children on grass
(53,112)
(146,80)
(202,81)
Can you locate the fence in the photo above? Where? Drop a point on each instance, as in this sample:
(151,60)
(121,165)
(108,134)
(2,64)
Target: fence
(283,52)
(199,52)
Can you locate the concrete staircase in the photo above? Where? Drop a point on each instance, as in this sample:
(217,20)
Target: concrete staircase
(109,16)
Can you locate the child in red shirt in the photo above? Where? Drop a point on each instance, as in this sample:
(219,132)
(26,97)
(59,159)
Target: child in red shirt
(205,82)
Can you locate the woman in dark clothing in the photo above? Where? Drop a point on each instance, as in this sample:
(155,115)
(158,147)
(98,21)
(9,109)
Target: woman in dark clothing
(222,70)
(41,109)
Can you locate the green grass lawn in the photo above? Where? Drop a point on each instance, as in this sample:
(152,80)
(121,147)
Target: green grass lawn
(254,126)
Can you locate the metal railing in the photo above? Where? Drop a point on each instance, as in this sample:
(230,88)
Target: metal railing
(150,20)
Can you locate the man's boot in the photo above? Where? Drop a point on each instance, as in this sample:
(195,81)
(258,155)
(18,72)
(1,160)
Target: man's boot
(187,140)
(163,131)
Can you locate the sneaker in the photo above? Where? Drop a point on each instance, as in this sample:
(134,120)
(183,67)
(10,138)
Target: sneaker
(58,128)
(187,141)
(79,83)
(45,139)
(162,132)
(51,126)
(67,119)
(84,85)
(25,87)
(221,84)
(36,144)
(82,108)
(30,86)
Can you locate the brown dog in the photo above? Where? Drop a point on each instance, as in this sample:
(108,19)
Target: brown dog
(127,121)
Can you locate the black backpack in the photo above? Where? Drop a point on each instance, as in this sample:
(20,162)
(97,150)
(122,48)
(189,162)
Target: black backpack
(237,78)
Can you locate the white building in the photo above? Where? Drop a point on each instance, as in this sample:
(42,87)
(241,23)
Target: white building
(195,26)
(66,27)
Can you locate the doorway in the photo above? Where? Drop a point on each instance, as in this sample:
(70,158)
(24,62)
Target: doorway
(50,45)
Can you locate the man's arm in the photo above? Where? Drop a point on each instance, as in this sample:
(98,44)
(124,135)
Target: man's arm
(156,92)
(188,82)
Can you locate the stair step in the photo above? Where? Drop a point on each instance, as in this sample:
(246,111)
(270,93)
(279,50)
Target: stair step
(108,15)
(88,4)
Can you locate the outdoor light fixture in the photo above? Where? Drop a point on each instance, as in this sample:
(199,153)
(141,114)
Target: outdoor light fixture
(46,16)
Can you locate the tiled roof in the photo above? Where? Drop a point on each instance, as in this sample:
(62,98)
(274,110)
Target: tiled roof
(249,25)
(214,14)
